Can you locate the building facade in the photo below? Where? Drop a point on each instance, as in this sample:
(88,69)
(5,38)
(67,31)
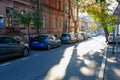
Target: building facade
(55,13)
(11,24)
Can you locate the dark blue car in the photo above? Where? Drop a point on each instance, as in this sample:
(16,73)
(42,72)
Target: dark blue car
(68,38)
(44,41)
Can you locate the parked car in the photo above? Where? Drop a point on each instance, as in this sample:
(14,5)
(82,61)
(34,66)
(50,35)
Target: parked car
(84,34)
(93,34)
(44,41)
(10,47)
(68,38)
(116,37)
(79,37)
(89,34)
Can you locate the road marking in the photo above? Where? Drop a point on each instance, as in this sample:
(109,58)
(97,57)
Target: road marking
(5,64)
(102,69)
(25,58)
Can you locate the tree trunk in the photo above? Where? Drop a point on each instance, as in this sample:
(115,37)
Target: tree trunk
(106,33)
(64,17)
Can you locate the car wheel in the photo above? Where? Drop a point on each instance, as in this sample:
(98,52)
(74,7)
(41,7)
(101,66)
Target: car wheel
(48,47)
(32,48)
(25,52)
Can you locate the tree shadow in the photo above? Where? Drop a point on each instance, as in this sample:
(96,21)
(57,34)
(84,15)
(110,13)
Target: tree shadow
(112,70)
(85,67)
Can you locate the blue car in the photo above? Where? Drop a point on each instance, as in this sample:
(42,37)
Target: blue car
(68,38)
(44,41)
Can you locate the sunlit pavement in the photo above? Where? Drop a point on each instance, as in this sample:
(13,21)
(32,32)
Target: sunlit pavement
(79,61)
(82,63)
(112,70)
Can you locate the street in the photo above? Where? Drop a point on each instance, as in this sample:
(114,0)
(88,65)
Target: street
(79,61)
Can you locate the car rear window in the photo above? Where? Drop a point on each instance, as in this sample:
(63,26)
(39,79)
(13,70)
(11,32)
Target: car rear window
(110,34)
(65,35)
(43,37)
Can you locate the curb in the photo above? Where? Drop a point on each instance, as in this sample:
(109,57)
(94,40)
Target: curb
(103,65)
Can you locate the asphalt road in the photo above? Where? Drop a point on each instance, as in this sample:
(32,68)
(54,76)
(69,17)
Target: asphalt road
(79,61)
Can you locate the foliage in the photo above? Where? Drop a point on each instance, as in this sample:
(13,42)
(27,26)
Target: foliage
(93,26)
(99,12)
(25,18)
(100,0)
(37,21)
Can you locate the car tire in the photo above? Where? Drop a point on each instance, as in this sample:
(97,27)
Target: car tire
(59,44)
(25,52)
(32,48)
(48,47)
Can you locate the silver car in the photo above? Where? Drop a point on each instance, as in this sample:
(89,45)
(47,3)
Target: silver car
(11,47)
(116,38)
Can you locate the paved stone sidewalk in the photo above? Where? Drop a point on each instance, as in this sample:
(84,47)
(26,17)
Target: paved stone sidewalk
(112,68)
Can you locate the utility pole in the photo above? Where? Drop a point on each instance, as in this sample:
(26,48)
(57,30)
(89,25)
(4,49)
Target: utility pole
(117,12)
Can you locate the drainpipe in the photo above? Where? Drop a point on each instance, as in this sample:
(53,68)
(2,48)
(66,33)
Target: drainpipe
(38,9)
(69,16)
(12,18)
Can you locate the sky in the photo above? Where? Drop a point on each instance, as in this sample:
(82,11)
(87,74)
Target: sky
(113,6)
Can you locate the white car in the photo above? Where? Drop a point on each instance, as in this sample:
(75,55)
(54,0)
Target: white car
(116,38)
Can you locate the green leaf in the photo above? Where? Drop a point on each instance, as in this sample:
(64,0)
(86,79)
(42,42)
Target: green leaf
(102,0)
(96,0)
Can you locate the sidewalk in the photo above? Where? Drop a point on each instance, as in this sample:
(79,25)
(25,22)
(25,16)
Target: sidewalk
(112,68)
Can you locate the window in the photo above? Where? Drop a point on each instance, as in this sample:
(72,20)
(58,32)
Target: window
(5,40)
(22,12)
(55,3)
(1,21)
(44,1)
(44,21)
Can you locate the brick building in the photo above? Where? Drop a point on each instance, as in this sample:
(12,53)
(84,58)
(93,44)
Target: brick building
(11,25)
(52,14)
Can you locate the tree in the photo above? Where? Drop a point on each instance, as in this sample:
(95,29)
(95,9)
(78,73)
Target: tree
(98,10)
(37,21)
(25,19)
(75,5)
(37,17)
(100,0)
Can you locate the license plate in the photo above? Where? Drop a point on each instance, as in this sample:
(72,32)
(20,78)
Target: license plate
(35,42)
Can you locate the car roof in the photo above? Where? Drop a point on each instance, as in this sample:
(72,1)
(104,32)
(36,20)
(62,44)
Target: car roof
(5,36)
